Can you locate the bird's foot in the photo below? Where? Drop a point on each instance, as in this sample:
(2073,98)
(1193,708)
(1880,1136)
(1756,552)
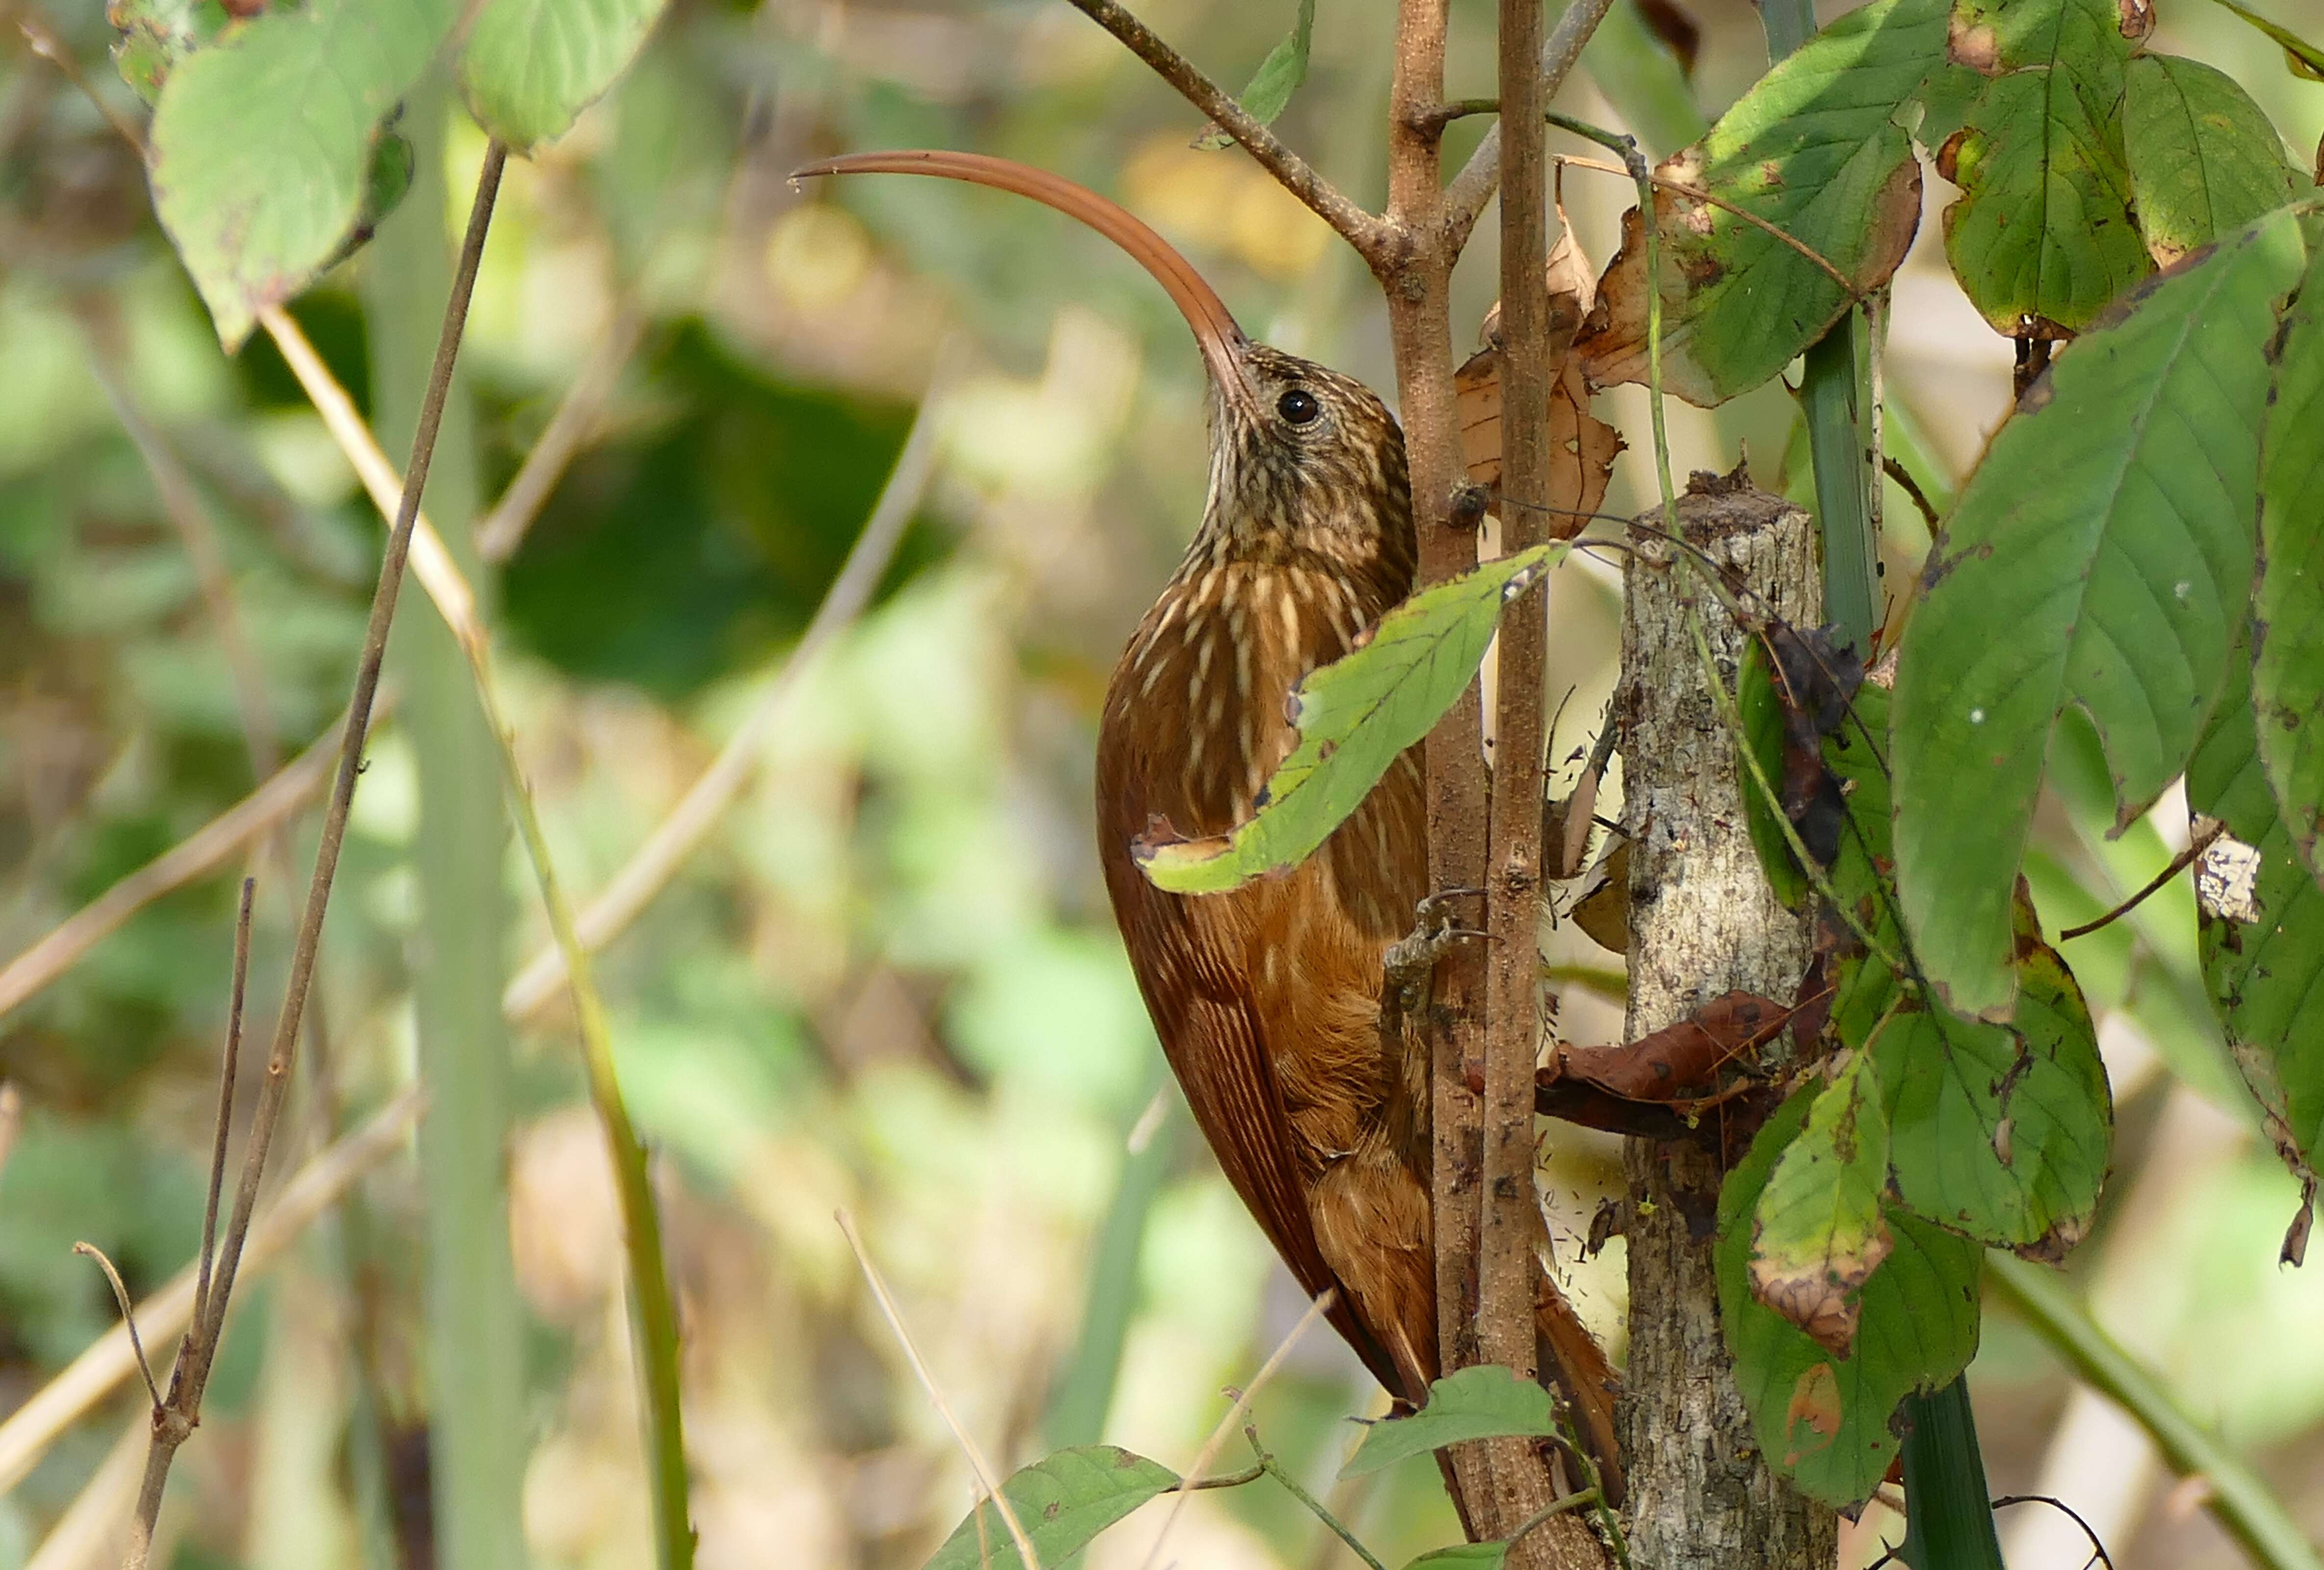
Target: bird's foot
(1411,957)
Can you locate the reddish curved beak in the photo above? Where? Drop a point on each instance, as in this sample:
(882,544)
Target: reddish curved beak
(1222,342)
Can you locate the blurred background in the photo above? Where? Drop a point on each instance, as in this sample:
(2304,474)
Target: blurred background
(887,981)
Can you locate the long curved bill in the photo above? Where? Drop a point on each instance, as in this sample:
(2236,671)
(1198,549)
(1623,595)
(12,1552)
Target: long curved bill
(1221,341)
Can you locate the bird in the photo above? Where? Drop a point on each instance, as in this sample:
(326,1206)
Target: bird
(1267,999)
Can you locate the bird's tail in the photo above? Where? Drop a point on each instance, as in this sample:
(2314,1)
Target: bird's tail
(1571,1356)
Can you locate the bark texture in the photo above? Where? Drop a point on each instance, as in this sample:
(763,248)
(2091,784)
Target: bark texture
(1703,921)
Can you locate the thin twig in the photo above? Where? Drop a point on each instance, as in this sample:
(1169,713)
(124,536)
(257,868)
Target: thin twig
(1895,469)
(208,847)
(2099,1555)
(675,838)
(229,1071)
(984,1474)
(191,1374)
(1315,1507)
(128,1319)
(1473,187)
(54,51)
(31,1429)
(2179,864)
(1235,1409)
(500,531)
(1360,229)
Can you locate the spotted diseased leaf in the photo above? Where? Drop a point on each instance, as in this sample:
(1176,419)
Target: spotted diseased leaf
(2288,612)
(1813,149)
(152,36)
(2042,239)
(1063,1500)
(1823,1421)
(531,66)
(2101,554)
(2083,38)
(263,143)
(1277,78)
(2262,952)
(1818,1232)
(1486,1401)
(1355,716)
(2204,159)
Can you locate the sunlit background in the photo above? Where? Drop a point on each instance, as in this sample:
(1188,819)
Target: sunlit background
(887,982)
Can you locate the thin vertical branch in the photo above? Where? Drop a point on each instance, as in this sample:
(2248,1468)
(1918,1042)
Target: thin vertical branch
(191,1374)
(229,1071)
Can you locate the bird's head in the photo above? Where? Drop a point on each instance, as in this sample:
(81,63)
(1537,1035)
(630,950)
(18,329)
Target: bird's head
(1305,461)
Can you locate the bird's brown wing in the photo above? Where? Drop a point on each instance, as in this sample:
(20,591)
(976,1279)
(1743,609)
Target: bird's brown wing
(1190,956)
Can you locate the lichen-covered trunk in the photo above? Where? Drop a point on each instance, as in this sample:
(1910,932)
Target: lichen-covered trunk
(1703,921)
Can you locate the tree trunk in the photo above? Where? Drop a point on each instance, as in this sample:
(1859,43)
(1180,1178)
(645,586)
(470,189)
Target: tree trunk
(1703,921)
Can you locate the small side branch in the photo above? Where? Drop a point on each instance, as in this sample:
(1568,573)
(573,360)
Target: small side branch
(2179,864)
(1368,236)
(1473,187)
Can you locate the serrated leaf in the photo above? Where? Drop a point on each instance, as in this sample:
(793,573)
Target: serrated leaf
(2043,228)
(2288,612)
(2204,159)
(1823,1421)
(1063,1500)
(262,143)
(1277,78)
(2301,58)
(2100,554)
(531,66)
(1813,149)
(1486,1401)
(2001,1132)
(1354,716)
(1818,1232)
(2266,974)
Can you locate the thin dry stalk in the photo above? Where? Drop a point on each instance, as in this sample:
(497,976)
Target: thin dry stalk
(1227,1424)
(12,1118)
(191,1373)
(500,531)
(968,1444)
(190,514)
(675,838)
(128,1316)
(208,847)
(93,1377)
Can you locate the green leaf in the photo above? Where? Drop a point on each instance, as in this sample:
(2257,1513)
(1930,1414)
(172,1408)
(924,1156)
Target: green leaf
(1464,1556)
(2301,58)
(1355,716)
(1063,1500)
(2287,614)
(1814,150)
(2101,554)
(152,36)
(2266,976)
(2204,159)
(2084,38)
(1486,1401)
(2043,228)
(1277,78)
(1823,1421)
(2002,1133)
(531,66)
(1763,742)
(263,144)
(1817,1232)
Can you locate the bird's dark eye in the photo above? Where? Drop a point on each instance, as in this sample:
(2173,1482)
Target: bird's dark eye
(1298,405)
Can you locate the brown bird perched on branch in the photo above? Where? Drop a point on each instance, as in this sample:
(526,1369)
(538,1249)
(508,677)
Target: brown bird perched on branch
(1268,999)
